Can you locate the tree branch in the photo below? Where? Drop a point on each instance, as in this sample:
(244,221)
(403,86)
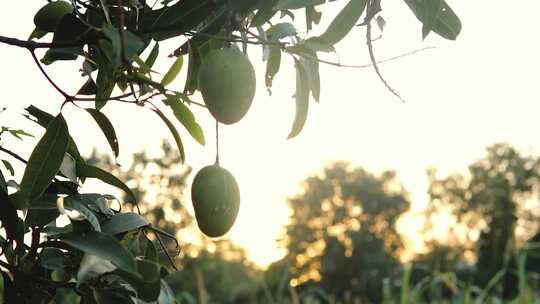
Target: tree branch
(36,60)
(32,45)
(374,61)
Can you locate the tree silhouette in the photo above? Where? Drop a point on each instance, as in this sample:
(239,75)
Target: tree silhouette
(343,230)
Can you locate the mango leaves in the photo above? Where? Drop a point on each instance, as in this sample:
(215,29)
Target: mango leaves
(302,99)
(44,162)
(436,16)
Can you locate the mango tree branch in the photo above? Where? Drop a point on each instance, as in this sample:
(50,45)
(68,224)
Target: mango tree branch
(32,45)
(36,60)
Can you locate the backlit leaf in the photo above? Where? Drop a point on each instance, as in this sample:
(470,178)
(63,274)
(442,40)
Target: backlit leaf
(344,21)
(174,133)
(185,117)
(302,100)
(103,246)
(107,128)
(87,171)
(45,160)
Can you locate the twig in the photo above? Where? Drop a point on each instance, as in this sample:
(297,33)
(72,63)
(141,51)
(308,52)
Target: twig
(374,61)
(165,251)
(36,60)
(13,154)
(32,45)
(362,66)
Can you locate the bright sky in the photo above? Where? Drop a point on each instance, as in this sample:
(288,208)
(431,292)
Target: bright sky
(461,97)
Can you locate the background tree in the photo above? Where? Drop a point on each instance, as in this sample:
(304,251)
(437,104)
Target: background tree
(342,230)
(496,200)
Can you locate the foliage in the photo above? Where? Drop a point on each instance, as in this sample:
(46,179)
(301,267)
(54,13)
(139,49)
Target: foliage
(343,229)
(103,255)
(492,200)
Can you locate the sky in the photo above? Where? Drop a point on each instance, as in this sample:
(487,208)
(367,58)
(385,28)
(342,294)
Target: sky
(460,97)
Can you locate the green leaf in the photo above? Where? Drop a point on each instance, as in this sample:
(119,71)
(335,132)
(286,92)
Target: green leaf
(105,83)
(272,65)
(447,23)
(151,252)
(295,4)
(185,117)
(302,100)
(431,8)
(97,202)
(174,133)
(194,62)
(103,246)
(107,128)
(264,14)
(149,62)
(9,167)
(42,211)
(280,31)
(8,216)
(147,283)
(43,119)
(73,204)
(131,46)
(173,71)
(174,20)
(52,259)
(45,161)
(3,184)
(88,88)
(87,171)
(318,44)
(123,222)
(69,29)
(344,21)
(311,66)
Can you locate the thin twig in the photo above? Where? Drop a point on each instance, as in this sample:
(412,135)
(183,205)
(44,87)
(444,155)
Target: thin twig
(13,154)
(363,66)
(32,45)
(36,60)
(165,251)
(374,61)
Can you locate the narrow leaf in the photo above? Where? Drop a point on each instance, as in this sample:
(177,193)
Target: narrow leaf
(447,23)
(73,204)
(264,14)
(431,8)
(45,160)
(43,119)
(302,100)
(185,117)
(174,133)
(281,30)
(107,128)
(272,66)
(147,284)
(152,56)
(103,246)
(295,4)
(344,21)
(123,222)
(311,66)
(9,167)
(8,215)
(87,171)
(173,71)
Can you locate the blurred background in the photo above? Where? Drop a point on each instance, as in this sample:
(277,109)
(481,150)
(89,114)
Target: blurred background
(434,199)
